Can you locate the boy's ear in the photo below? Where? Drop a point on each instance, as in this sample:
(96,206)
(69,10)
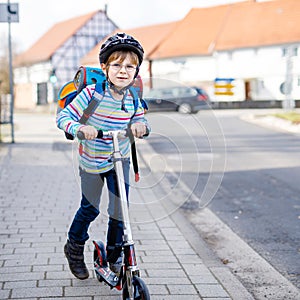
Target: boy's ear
(103,66)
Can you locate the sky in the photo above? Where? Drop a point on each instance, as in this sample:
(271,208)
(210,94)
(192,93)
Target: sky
(36,17)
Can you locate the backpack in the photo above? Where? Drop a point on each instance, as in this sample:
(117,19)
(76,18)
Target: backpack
(86,76)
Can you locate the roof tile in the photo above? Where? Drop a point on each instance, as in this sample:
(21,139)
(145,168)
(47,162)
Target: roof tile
(202,31)
(232,26)
(149,36)
(44,48)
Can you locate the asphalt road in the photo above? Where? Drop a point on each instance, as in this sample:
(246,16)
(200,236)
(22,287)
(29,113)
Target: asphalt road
(246,174)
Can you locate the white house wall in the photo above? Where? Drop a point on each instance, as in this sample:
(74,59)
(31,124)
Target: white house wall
(35,74)
(264,68)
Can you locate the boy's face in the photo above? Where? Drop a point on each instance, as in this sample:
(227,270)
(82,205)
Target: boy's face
(120,73)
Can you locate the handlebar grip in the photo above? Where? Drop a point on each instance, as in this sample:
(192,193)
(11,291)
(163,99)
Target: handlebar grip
(130,134)
(100,134)
(80,135)
(147,132)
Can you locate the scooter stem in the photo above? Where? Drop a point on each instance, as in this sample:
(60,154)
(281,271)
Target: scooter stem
(117,158)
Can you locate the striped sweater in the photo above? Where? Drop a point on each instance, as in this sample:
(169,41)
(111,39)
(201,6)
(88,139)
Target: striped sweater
(94,154)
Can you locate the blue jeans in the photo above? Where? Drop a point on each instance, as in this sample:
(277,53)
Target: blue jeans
(91,188)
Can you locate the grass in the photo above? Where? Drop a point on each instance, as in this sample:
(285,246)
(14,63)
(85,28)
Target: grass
(292,116)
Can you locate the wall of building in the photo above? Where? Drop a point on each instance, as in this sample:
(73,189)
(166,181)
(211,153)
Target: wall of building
(28,82)
(258,73)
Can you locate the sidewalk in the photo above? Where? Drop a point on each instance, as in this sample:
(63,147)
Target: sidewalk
(39,195)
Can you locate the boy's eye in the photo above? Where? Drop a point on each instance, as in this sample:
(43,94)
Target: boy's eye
(117,67)
(130,68)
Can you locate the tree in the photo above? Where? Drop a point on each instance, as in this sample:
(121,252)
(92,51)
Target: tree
(4,67)
(4,76)
(4,64)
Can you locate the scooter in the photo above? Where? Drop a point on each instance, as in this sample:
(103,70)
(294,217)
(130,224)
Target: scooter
(129,281)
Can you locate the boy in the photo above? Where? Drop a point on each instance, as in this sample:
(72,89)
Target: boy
(120,58)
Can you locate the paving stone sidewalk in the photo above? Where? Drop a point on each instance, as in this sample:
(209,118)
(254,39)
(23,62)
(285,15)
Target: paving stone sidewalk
(39,194)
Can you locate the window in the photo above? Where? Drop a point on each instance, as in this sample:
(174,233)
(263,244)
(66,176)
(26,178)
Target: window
(294,52)
(42,93)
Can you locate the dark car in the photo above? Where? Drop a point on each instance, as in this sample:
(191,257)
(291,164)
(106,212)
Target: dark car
(179,98)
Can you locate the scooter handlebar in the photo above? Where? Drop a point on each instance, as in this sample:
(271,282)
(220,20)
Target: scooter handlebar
(127,132)
(80,135)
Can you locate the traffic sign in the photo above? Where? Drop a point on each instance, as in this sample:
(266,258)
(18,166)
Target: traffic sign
(285,88)
(9,12)
(224,86)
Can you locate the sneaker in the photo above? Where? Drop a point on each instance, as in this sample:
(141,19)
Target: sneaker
(116,266)
(75,257)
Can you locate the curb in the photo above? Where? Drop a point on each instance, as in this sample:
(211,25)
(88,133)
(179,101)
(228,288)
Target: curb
(272,122)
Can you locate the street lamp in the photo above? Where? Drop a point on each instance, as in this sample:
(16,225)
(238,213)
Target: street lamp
(53,78)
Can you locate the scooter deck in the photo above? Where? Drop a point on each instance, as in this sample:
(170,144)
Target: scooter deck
(106,275)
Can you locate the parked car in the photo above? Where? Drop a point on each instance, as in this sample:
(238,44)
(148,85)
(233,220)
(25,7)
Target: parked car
(180,98)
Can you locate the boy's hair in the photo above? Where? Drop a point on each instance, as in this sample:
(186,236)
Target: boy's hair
(121,56)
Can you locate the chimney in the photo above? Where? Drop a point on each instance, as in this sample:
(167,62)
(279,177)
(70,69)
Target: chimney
(105,9)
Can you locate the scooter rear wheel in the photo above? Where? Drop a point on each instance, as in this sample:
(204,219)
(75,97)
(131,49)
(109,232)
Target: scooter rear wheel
(141,291)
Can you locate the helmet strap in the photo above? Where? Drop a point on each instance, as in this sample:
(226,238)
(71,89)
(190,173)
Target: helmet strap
(113,87)
(120,92)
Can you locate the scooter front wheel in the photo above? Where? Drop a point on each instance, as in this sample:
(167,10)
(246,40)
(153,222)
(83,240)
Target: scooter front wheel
(140,290)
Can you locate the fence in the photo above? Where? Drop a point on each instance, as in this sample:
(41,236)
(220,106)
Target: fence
(6,113)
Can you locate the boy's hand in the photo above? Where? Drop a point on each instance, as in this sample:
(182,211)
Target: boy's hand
(89,132)
(138,129)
